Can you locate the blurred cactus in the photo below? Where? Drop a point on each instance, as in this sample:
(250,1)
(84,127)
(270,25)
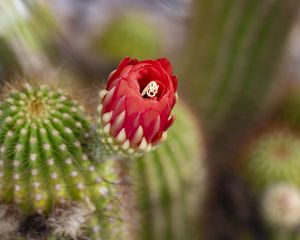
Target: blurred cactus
(281,206)
(288,111)
(232,61)
(274,157)
(170,182)
(130,35)
(234,53)
(9,64)
(30,30)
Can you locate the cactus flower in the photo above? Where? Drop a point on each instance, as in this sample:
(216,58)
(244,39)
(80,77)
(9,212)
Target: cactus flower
(136,105)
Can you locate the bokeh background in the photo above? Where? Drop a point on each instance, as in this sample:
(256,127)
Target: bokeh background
(238,63)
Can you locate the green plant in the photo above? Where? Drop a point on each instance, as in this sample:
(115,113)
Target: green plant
(46,167)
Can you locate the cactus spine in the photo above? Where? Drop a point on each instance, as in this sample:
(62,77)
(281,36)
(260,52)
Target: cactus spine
(45,164)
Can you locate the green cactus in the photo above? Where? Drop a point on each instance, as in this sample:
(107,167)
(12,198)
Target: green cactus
(170,182)
(288,111)
(129,35)
(273,157)
(31,31)
(234,52)
(45,166)
(9,65)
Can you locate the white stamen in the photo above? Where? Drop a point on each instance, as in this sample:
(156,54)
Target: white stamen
(151,89)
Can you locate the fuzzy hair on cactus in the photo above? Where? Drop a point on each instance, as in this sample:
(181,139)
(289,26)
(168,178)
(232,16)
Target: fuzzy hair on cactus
(46,170)
(274,157)
(135,108)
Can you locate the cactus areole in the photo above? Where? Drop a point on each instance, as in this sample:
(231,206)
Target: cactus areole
(136,105)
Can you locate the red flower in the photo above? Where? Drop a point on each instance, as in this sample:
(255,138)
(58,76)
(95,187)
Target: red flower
(137,103)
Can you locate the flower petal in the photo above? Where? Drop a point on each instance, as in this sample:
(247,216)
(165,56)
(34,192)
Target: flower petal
(165,63)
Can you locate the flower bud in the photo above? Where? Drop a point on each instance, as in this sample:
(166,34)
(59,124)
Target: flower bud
(136,105)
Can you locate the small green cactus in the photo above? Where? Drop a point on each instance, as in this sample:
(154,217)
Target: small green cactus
(45,166)
(274,157)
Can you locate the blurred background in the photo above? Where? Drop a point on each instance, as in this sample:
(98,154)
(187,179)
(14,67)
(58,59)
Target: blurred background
(238,63)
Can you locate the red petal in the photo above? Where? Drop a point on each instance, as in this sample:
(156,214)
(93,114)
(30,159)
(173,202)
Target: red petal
(131,124)
(165,63)
(175,82)
(169,123)
(134,104)
(119,69)
(125,72)
(119,107)
(151,124)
